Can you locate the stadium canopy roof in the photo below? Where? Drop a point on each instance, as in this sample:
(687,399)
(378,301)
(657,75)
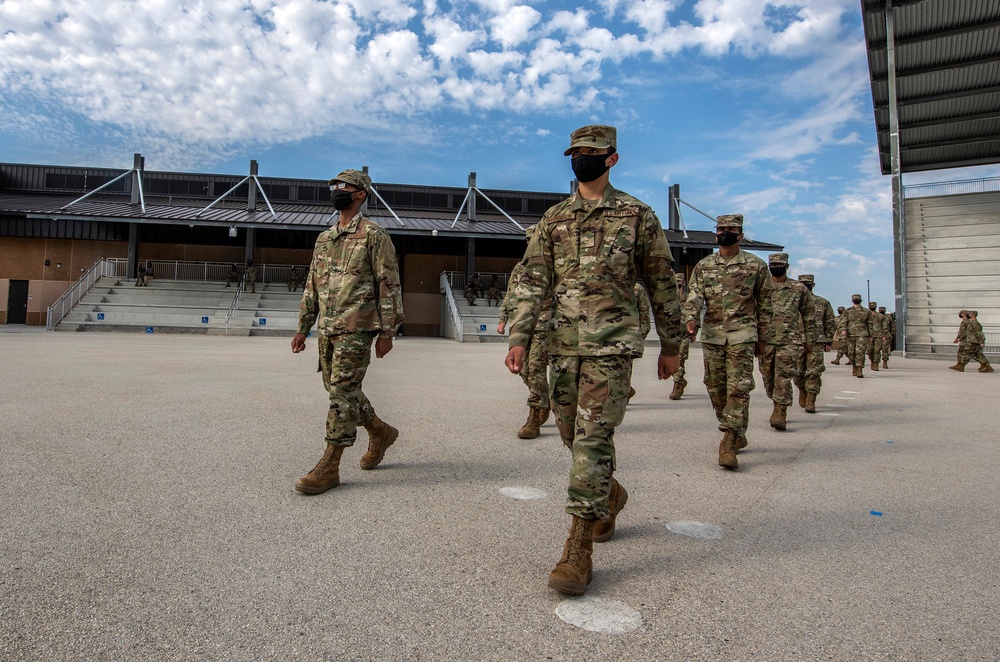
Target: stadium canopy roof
(947,75)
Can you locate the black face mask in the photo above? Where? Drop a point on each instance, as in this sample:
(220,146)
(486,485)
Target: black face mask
(777,272)
(871,308)
(809,285)
(856,301)
(342,199)
(727,238)
(589,167)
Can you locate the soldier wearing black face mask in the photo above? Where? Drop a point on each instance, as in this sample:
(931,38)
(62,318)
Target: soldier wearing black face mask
(874,334)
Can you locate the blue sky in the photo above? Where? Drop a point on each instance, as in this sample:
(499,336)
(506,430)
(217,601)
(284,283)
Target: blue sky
(751,106)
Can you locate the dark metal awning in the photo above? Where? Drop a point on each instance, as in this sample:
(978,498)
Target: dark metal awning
(947,81)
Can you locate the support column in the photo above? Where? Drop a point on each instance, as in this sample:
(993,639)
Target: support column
(251,245)
(470,257)
(673,217)
(133,250)
(138,164)
(252,188)
(898,215)
(471,208)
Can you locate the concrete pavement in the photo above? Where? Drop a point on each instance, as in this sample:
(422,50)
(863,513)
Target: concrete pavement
(149,514)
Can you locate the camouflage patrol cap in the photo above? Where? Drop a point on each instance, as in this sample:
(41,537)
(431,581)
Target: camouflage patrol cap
(881,309)
(974,313)
(598,136)
(872,303)
(841,309)
(856,297)
(355,178)
(729,219)
(778,258)
(807,278)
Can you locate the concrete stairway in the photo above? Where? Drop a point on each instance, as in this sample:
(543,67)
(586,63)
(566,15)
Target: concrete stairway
(479,322)
(165,306)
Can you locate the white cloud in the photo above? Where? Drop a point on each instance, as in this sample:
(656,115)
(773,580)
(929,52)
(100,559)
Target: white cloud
(514,26)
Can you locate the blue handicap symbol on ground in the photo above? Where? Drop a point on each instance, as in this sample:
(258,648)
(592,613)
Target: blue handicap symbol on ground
(482,327)
(204,319)
(149,329)
(100,316)
(263,321)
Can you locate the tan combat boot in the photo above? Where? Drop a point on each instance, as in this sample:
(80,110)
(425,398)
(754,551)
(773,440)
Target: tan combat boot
(677,392)
(575,570)
(885,364)
(543,416)
(986,367)
(727,451)
(835,361)
(859,371)
(802,398)
(325,475)
(778,417)
(874,365)
(811,403)
(603,530)
(741,442)
(531,427)
(958,366)
(381,435)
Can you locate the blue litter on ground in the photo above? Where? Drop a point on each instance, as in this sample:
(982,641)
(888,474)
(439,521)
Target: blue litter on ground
(876,513)
(888,441)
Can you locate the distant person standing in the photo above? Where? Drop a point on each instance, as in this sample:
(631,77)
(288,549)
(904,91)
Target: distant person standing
(791,334)
(841,334)
(352,294)
(250,276)
(810,380)
(734,287)
(294,280)
(586,255)
(888,331)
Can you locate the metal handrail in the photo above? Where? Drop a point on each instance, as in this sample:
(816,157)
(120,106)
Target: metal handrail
(452,305)
(58,310)
(457,279)
(236,301)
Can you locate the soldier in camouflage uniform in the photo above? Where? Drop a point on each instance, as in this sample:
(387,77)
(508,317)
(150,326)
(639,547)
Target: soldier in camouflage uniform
(841,337)
(493,291)
(352,294)
(791,333)
(971,340)
(294,280)
(874,334)
(679,382)
(232,276)
(586,256)
(534,374)
(857,322)
(884,345)
(250,277)
(810,380)
(735,288)
(470,292)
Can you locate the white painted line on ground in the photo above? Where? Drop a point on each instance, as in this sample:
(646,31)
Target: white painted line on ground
(829,413)
(841,397)
(599,615)
(522,493)
(851,392)
(696,529)
(836,405)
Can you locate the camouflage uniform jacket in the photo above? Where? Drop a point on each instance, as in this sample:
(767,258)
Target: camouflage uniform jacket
(736,293)
(841,324)
(587,257)
(506,306)
(792,313)
(826,324)
(974,333)
(875,324)
(353,282)
(642,304)
(858,321)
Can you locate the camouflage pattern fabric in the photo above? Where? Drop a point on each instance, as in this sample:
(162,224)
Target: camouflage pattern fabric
(232,276)
(506,306)
(642,305)
(685,352)
(972,347)
(493,292)
(587,258)
(589,394)
(736,293)
(294,281)
(534,372)
(344,360)
(251,279)
(779,365)
(729,380)
(841,336)
(353,282)
(874,335)
(792,315)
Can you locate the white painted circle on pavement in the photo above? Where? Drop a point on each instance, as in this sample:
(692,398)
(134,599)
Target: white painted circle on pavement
(696,529)
(522,493)
(599,615)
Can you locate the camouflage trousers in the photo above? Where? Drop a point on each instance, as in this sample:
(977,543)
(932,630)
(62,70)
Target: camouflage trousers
(729,380)
(971,352)
(344,360)
(534,374)
(810,379)
(589,394)
(857,348)
(842,349)
(884,349)
(685,352)
(779,365)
